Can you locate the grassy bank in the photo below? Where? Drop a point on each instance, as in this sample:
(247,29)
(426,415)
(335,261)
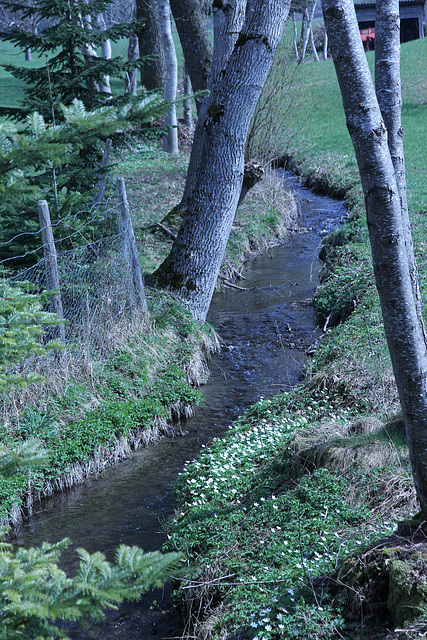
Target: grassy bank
(292,519)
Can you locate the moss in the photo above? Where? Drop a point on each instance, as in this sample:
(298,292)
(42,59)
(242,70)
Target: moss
(388,585)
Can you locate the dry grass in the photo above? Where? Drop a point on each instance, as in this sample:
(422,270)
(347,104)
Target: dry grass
(356,449)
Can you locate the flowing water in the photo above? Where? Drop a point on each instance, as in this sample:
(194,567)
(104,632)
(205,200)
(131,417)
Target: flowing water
(265,332)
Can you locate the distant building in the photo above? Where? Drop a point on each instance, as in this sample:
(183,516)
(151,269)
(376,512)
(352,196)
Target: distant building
(411,21)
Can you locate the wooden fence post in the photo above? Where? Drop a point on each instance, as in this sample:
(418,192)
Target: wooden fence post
(141,302)
(52,270)
(99,196)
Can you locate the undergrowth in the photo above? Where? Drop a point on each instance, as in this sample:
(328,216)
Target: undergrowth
(131,398)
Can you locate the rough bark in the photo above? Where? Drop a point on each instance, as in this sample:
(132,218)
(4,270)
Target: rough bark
(389,95)
(404,332)
(190,23)
(170,139)
(192,267)
(228,21)
(228,16)
(131,81)
(153,71)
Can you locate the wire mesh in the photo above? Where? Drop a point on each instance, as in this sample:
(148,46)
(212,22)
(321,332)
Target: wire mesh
(96,289)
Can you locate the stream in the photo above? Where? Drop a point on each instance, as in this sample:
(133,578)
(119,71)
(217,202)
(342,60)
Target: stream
(265,332)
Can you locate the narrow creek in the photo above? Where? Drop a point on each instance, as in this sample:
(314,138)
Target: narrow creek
(265,331)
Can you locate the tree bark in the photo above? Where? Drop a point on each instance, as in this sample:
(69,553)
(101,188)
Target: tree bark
(192,267)
(170,139)
(188,115)
(228,21)
(105,52)
(131,75)
(389,95)
(153,71)
(190,22)
(404,332)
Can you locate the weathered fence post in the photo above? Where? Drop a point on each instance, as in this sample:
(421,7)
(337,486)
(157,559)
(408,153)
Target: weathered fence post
(99,196)
(127,229)
(52,271)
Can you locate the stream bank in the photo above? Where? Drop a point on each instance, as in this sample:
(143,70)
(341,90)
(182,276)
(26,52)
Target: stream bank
(265,332)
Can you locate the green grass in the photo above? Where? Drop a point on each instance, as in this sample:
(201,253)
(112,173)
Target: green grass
(323,133)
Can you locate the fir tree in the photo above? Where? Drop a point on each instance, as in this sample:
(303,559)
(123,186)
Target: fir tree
(72,68)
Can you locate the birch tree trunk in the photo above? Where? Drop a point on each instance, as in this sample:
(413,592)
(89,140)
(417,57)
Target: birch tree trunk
(105,52)
(192,267)
(190,23)
(294,24)
(153,71)
(188,116)
(308,15)
(170,139)
(131,75)
(403,329)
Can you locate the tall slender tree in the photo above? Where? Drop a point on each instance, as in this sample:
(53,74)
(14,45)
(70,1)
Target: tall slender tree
(170,139)
(386,209)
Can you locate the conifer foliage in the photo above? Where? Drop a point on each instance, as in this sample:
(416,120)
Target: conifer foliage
(72,69)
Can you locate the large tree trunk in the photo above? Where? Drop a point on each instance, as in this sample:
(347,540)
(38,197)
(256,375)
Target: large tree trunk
(170,139)
(190,23)
(228,22)
(153,71)
(404,331)
(192,267)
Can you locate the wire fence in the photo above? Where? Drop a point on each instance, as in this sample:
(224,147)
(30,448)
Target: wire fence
(100,302)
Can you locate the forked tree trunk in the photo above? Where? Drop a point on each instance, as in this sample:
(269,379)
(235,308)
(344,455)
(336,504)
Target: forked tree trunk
(228,21)
(192,267)
(170,139)
(308,15)
(403,329)
(190,23)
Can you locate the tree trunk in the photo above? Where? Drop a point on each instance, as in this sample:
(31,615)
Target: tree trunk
(131,75)
(389,95)
(294,23)
(404,332)
(228,21)
(325,46)
(194,38)
(313,45)
(105,52)
(229,16)
(153,71)
(170,139)
(192,267)
(308,15)
(188,115)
